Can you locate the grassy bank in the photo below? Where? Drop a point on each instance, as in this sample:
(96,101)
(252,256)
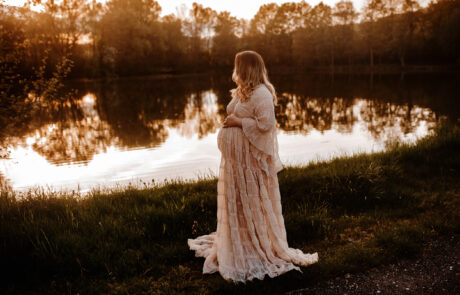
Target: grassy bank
(357,212)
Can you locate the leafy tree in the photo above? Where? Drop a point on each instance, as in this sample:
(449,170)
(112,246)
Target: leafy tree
(225,42)
(408,24)
(128,37)
(174,41)
(372,11)
(131,39)
(198,27)
(344,16)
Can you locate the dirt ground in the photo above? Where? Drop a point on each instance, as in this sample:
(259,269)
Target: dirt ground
(436,271)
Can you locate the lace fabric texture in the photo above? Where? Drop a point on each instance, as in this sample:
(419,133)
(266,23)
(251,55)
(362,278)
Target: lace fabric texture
(250,239)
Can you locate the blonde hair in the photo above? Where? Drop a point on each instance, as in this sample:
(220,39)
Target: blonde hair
(250,72)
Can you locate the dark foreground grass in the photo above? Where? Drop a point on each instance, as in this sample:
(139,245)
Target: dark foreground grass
(357,212)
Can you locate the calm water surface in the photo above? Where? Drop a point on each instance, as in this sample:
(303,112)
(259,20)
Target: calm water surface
(142,129)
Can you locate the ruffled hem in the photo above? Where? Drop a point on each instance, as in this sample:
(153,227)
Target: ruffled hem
(203,247)
(257,273)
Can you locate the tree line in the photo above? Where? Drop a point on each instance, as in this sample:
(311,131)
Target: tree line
(129,37)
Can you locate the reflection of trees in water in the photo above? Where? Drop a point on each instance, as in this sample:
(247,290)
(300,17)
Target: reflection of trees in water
(77,136)
(201,116)
(384,119)
(127,114)
(72,141)
(342,115)
(303,114)
(139,112)
(436,92)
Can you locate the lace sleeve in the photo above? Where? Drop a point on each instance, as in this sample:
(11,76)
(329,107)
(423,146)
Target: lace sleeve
(261,127)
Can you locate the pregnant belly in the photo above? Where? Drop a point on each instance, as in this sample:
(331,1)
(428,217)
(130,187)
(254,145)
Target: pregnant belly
(229,138)
(236,149)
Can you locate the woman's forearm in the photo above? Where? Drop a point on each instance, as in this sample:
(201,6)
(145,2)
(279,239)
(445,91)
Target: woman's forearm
(238,122)
(233,121)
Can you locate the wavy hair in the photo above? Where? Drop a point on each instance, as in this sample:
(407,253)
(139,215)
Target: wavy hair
(248,73)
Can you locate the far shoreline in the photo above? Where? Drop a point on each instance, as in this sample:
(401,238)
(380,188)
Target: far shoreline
(383,69)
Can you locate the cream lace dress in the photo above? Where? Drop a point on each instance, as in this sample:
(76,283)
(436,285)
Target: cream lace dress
(250,240)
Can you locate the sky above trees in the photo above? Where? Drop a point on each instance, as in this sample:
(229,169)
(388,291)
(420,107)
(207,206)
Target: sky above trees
(239,8)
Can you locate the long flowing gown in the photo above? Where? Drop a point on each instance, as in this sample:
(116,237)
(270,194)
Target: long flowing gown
(250,240)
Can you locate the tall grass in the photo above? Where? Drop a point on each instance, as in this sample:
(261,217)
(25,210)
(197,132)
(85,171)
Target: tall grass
(134,239)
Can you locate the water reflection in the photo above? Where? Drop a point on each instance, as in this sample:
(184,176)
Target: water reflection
(303,114)
(201,116)
(147,128)
(384,120)
(72,139)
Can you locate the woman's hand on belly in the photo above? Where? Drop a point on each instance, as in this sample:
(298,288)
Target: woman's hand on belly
(232,121)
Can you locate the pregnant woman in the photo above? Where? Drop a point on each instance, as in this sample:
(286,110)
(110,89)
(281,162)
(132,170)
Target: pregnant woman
(250,240)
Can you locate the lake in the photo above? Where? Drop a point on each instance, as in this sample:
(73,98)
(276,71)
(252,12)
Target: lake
(149,129)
